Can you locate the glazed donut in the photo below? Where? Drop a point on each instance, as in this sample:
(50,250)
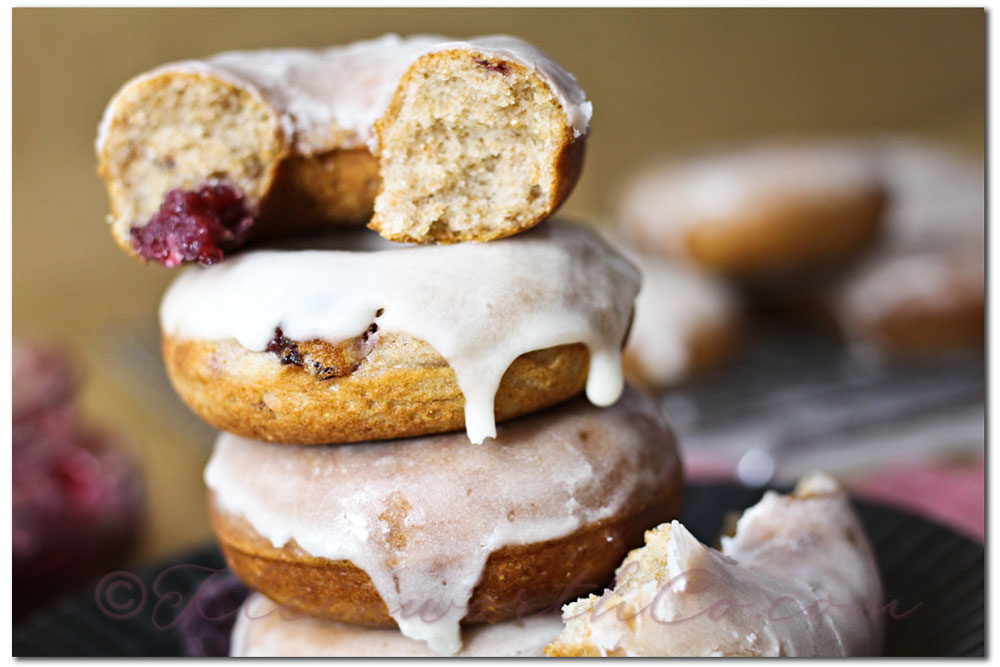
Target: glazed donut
(937,195)
(265,630)
(761,211)
(427,532)
(325,346)
(798,578)
(921,292)
(442,140)
(915,304)
(685,321)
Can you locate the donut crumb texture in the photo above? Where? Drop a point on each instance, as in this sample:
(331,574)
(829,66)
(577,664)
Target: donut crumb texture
(473,148)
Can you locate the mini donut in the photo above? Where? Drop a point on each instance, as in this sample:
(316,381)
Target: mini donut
(442,141)
(265,630)
(328,346)
(798,578)
(761,211)
(427,532)
(686,321)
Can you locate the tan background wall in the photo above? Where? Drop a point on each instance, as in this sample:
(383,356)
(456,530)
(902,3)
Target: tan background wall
(661,80)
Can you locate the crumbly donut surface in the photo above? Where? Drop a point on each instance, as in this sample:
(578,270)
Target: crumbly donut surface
(354,391)
(477,139)
(472,148)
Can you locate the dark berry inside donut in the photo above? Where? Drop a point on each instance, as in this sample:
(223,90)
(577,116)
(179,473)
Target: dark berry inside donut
(500,66)
(286,349)
(195,226)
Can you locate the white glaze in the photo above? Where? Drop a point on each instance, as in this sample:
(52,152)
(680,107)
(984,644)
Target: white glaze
(927,280)
(665,200)
(450,505)
(265,630)
(937,195)
(479,305)
(676,304)
(795,580)
(331,98)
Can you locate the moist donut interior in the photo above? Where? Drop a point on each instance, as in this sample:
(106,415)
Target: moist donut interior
(183,131)
(468,150)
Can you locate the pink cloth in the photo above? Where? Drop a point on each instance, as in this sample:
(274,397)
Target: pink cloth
(949,493)
(952,494)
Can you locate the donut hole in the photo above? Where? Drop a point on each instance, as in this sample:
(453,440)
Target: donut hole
(469,150)
(179,132)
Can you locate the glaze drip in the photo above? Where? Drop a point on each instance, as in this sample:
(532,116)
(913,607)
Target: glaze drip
(421,516)
(480,305)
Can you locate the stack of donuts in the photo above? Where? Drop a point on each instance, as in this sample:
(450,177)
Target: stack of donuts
(407,465)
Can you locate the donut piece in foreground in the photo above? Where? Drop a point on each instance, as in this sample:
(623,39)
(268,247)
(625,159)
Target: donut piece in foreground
(265,630)
(476,139)
(798,578)
(428,532)
(328,346)
(761,211)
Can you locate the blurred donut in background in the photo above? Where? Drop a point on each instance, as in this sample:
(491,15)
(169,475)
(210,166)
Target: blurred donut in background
(769,209)
(77,493)
(921,291)
(686,321)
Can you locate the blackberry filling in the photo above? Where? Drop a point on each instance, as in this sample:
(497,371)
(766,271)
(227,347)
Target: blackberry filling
(195,226)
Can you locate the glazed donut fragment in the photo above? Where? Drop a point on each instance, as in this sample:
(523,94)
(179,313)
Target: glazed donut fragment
(798,578)
(475,146)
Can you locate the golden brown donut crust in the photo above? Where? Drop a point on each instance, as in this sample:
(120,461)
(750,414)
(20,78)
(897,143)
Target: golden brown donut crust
(354,391)
(913,331)
(316,192)
(792,237)
(516,581)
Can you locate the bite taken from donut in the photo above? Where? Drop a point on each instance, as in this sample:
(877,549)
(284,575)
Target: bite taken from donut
(427,533)
(440,140)
(331,346)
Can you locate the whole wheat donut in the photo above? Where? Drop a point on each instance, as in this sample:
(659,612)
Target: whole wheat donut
(265,630)
(325,346)
(427,532)
(921,291)
(441,140)
(759,211)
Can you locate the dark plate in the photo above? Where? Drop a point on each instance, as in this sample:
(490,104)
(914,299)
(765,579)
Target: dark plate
(935,576)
